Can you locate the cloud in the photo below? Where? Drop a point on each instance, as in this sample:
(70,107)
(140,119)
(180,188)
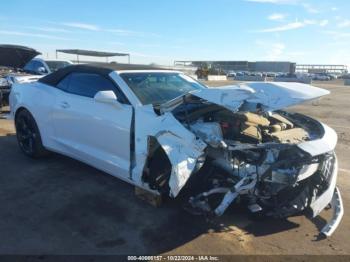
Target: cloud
(296,54)
(125,32)
(279,2)
(276,51)
(337,42)
(295,25)
(16,33)
(337,34)
(334,8)
(344,23)
(48,29)
(316,22)
(146,55)
(118,31)
(286,27)
(310,8)
(324,22)
(339,56)
(310,22)
(307,6)
(273,50)
(122,31)
(115,43)
(276,17)
(89,27)
(148,45)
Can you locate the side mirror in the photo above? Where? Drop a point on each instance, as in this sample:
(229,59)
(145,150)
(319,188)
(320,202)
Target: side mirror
(107,97)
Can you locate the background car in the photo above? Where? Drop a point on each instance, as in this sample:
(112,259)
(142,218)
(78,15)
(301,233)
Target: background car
(19,66)
(321,77)
(344,76)
(12,60)
(42,66)
(231,74)
(4,92)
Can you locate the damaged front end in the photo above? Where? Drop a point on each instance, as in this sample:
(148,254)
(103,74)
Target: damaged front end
(278,163)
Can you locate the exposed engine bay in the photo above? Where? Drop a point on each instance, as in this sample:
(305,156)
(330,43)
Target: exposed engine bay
(251,157)
(247,127)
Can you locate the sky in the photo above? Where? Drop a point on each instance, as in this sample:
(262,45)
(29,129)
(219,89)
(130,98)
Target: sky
(161,31)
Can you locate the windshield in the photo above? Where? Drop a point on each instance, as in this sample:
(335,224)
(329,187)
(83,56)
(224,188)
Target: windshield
(55,65)
(158,88)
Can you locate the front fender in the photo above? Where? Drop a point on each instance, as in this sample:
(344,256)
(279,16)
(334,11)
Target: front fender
(183,158)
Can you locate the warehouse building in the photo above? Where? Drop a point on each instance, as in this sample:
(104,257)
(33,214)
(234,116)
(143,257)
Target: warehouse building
(284,67)
(227,66)
(335,69)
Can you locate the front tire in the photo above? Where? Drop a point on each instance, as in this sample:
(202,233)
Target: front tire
(28,135)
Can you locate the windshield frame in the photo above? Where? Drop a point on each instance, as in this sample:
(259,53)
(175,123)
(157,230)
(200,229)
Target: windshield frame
(157,72)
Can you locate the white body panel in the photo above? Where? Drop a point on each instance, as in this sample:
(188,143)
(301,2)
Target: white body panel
(95,132)
(322,145)
(272,95)
(181,146)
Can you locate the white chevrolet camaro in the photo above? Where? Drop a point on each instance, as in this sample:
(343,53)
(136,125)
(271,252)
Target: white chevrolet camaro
(162,131)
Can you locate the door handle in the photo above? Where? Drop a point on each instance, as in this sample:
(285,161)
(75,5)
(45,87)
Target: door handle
(64,105)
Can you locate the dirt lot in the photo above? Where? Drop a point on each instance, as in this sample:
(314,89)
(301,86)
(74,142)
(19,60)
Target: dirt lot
(60,206)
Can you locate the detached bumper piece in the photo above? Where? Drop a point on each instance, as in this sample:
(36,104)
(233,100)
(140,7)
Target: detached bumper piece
(338,212)
(330,196)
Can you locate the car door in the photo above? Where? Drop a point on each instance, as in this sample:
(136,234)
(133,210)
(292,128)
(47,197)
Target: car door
(93,132)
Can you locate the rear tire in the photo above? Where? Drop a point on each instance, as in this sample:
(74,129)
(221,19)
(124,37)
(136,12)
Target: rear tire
(28,135)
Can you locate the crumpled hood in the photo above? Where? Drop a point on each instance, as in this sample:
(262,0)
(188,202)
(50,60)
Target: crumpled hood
(271,95)
(16,56)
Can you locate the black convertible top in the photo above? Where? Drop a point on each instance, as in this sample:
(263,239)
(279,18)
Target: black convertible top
(99,68)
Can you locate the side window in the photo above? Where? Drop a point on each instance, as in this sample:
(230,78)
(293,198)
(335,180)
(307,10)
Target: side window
(64,83)
(33,66)
(88,84)
(37,65)
(29,66)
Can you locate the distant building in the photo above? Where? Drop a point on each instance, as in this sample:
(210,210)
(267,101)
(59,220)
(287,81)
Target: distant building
(336,69)
(276,67)
(227,66)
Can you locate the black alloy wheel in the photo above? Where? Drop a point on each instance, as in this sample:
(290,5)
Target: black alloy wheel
(28,135)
